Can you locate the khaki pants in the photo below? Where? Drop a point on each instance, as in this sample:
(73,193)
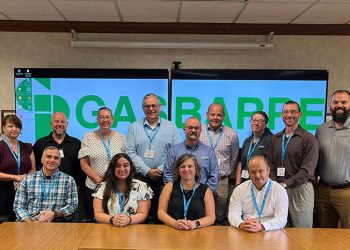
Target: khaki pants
(331,206)
(301,205)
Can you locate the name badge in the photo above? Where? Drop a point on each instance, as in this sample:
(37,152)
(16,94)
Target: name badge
(281,171)
(61,153)
(245,174)
(149,153)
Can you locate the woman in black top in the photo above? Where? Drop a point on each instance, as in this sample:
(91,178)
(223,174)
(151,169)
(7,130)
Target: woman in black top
(256,144)
(186,204)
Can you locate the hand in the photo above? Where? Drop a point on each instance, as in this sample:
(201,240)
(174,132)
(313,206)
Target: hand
(16,184)
(18,178)
(45,216)
(191,224)
(251,225)
(181,225)
(98,180)
(121,220)
(154,174)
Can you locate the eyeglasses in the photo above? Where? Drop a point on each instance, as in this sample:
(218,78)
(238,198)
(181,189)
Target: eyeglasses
(153,106)
(193,128)
(101,117)
(257,121)
(293,112)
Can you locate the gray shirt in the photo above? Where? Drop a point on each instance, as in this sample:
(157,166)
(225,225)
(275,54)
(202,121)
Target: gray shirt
(334,159)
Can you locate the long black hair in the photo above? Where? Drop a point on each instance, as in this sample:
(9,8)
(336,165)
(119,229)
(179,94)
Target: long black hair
(112,181)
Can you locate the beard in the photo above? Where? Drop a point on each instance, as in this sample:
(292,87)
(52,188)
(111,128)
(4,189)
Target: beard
(340,117)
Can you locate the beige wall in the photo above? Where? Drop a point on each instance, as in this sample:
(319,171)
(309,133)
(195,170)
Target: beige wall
(53,50)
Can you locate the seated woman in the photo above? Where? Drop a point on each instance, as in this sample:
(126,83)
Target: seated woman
(186,204)
(121,200)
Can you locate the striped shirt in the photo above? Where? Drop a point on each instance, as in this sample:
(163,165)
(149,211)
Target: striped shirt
(38,193)
(226,150)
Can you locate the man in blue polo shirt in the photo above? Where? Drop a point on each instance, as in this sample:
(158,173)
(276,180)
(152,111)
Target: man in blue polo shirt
(205,155)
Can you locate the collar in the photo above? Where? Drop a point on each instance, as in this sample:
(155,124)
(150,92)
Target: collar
(52,176)
(52,140)
(145,122)
(346,124)
(211,129)
(188,146)
(298,131)
(264,187)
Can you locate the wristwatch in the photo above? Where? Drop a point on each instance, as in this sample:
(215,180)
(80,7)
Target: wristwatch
(55,215)
(111,220)
(198,224)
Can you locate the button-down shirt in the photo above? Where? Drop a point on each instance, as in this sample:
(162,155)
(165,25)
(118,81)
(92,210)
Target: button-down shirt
(275,212)
(226,149)
(137,141)
(333,163)
(300,159)
(69,162)
(206,158)
(30,195)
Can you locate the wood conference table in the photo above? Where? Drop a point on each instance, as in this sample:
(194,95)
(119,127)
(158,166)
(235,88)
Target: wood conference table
(17,235)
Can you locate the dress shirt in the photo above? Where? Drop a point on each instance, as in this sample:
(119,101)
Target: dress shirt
(206,158)
(333,163)
(227,148)
(300,159)
(69,162)
(275,212)
(137,141)
(29,200)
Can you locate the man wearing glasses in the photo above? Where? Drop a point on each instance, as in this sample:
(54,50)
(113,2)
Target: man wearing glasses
(293,155)
(205,155)
(147,143)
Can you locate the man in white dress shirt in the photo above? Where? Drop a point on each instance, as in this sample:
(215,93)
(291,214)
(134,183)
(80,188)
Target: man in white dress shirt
(259,204)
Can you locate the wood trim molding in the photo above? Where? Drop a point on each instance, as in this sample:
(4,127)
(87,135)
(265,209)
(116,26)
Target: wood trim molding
(176,28)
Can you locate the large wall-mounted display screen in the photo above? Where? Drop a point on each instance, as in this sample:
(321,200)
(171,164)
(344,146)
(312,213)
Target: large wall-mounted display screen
(243,92)
(79,93)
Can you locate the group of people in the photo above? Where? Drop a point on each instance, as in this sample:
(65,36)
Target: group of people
(151,175)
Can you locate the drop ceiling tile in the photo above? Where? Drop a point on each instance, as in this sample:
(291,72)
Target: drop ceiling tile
(334,1)
(210,11)
(36,18)
(271,12)
(325,14)
(282,1)
(149,11)
(27,8)
(83,10)
(2,17)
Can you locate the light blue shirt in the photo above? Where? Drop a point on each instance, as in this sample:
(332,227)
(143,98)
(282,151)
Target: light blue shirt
(206,158)
(137,141)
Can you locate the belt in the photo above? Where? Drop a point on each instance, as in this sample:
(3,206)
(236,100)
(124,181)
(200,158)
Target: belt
(223,177)
(335,186)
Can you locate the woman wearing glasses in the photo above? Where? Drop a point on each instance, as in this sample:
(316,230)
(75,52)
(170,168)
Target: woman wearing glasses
(256,144)
(97,149)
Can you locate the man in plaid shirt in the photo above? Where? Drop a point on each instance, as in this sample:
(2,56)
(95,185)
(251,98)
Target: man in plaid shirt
(48,194)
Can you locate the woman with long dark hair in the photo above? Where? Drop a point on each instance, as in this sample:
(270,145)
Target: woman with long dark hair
(256,144)
(120,199)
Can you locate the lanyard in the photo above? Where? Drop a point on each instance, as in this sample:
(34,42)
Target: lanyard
(217,141)
(264,199)
(284,147)
(187,204)
(251,150)
(52,184)
(18,157)
(154,133)
(121,202)
(108,151)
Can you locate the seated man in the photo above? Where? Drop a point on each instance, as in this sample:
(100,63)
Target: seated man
(48,194)
(259,204)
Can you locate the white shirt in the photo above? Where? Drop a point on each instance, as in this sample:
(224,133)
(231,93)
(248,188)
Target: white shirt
(275,212)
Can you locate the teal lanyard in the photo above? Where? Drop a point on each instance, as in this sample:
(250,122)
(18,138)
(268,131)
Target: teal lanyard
(153,135)
(284,147)
(107,148)
(121,199)
(17,157)
(217,141)
(259,211)
(52,184)
(251,150)
(187,203)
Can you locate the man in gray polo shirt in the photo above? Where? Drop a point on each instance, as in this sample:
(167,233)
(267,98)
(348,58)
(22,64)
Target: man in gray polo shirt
(332,193)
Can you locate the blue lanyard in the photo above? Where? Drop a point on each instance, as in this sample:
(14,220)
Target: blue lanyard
(121,202)
(264,199)
(251,150)
(108,151)
(18,157)
(284,147)
(52,184)
(154,133)
(217,141)
(187,204)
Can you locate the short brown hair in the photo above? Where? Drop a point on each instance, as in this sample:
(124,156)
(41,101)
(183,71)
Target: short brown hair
(182,159)
(11,119)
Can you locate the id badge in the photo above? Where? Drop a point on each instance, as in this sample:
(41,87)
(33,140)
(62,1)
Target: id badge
(245,174)
(281,171)
(61,153)
(149,153)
